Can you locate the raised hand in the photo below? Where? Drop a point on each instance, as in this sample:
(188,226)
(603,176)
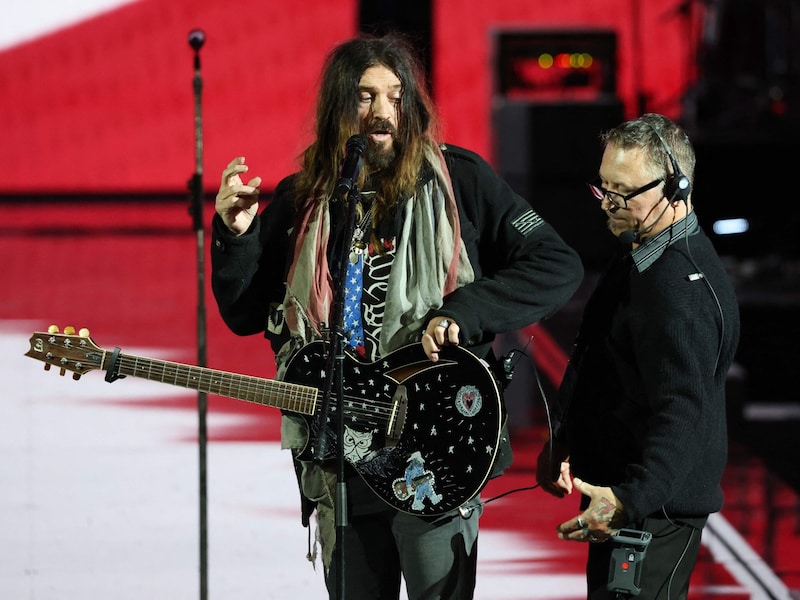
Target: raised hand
(236,202)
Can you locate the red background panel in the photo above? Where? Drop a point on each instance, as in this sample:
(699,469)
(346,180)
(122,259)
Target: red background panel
(655,53)
(107,105)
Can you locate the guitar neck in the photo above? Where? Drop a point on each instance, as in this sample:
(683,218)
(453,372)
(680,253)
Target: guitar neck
(266,392)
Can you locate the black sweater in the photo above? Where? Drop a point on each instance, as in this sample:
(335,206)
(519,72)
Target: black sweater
(647,412)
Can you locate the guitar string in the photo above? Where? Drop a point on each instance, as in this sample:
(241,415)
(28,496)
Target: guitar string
(371,408)
(357,405)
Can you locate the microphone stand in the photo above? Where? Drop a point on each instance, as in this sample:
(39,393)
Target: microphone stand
(196,40)
(336,356)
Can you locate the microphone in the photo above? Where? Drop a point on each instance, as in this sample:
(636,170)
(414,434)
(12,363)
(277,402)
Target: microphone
(629,237)
(196,39)
(351,166)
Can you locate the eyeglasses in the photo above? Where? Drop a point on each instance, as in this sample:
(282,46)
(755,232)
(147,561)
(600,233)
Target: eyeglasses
(617,199)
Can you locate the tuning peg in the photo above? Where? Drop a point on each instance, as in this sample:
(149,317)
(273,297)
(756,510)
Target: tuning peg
(52,329)
(76,376)
(62,372)
(47,365)
(84,333)
(69,330)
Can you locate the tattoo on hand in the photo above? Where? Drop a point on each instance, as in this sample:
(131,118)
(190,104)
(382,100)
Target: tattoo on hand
(604,511)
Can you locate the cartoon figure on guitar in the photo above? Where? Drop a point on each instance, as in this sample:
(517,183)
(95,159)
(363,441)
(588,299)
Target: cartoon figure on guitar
(417,483)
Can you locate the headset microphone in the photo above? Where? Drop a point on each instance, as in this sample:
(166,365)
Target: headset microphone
(630,236)
(676,185)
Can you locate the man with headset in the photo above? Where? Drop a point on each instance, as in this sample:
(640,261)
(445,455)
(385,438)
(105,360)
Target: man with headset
(641,427)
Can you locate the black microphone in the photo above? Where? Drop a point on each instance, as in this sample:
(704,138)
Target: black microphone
(196,39)
(351,166)
(628,237)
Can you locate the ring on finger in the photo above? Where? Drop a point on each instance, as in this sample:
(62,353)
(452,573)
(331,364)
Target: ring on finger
(581,523)
(444,323)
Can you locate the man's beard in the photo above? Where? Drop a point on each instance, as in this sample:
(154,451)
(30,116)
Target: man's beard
(378,158)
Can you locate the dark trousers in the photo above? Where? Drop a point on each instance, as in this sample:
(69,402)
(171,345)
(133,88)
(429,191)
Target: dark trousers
(437,558)
(665,570)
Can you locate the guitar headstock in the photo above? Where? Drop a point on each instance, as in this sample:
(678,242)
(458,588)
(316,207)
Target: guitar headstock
(68,351)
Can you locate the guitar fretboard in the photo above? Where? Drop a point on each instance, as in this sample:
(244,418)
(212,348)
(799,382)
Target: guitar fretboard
(278,394)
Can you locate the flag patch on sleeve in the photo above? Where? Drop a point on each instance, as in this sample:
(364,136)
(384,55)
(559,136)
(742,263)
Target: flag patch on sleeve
(527,222)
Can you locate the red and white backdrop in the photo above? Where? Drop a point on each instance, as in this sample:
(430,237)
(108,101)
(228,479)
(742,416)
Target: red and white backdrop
(97,95)
(98,484)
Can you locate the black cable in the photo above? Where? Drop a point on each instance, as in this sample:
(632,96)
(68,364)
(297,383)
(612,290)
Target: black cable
(711,291)
(508,369)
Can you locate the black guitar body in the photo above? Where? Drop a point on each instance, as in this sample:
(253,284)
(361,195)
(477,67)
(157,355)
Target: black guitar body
(424,436)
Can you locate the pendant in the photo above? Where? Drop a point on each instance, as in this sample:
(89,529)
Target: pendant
(356,251)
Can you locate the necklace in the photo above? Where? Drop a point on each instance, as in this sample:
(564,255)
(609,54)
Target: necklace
(357,245)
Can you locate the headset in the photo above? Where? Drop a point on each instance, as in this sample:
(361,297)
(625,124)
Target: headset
(676,185)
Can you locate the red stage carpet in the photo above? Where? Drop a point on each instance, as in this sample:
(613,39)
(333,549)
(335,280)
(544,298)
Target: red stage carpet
(99,483)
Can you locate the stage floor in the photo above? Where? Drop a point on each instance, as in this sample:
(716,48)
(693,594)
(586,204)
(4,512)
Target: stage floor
(100,493)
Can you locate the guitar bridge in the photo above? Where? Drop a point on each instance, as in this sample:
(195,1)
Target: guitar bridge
(397,417)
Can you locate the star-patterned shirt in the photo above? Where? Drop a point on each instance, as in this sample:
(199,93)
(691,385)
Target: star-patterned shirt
(365,292)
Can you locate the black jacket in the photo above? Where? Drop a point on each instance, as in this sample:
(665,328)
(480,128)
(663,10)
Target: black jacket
(524,271)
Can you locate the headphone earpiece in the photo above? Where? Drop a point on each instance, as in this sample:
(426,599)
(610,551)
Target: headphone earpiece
(677,186)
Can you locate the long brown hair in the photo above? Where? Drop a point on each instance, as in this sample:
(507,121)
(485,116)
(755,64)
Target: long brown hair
(337,119)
